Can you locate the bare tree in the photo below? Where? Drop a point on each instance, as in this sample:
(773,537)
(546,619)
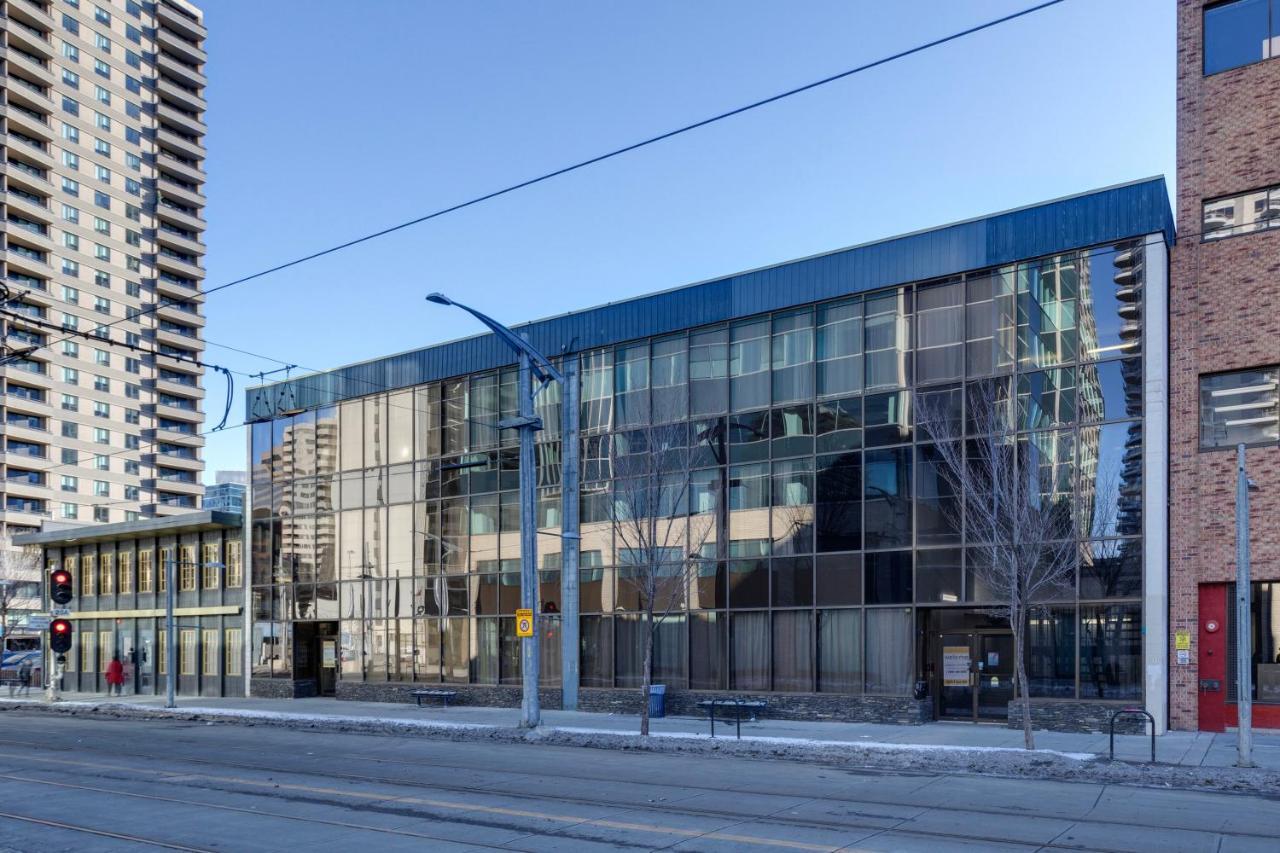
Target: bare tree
(658,547)
(18,566)
(1015,507)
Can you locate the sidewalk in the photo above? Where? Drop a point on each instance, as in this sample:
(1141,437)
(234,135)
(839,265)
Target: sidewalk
(1185,749)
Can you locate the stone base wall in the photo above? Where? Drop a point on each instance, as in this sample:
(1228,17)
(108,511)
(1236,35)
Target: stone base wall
(783,706)
(1080,717)
(282,688)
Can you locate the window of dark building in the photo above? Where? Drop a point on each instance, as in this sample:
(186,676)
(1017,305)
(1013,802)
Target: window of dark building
(839,348)
(749,382)
(1239,33)
(709,372)
(748,583)
(940,332)
(793,657)
(939,576)
(838,513)
(597,651)
(749,651)
(1051,652)
(1111,651)
(792,431)
(840,651)
(1242,407)
(631,384)
(793,582)
(792,356)
(749,437)
(887,497)
(839,424)
(888,577)
(707,651)
(887,418)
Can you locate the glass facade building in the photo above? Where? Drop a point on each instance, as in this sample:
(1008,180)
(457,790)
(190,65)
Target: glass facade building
(831,558)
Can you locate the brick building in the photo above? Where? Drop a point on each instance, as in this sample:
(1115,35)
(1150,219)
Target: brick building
(1225,348)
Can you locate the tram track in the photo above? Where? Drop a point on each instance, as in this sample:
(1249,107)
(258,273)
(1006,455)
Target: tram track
(102,833)
(873,822)
(680,836)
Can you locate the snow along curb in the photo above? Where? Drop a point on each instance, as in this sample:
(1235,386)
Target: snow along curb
(891,757)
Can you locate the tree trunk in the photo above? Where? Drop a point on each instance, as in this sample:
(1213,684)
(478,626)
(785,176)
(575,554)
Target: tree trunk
(646,676)
(1020,680)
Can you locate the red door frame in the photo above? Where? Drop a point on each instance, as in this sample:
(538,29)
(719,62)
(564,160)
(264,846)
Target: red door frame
(1215,712)
(1213,658)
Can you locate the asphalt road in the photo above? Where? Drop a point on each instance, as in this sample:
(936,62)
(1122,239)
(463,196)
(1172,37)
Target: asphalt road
(88,785)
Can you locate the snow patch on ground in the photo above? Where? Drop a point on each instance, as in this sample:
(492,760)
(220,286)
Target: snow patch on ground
(832,744)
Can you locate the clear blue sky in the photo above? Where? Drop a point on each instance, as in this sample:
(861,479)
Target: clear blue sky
(329,120)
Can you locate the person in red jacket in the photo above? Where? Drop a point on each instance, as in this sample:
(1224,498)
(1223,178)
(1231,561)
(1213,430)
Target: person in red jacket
(115,676)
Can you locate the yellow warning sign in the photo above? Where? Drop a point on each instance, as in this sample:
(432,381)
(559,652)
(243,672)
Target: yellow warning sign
(1182,641)
(524,623)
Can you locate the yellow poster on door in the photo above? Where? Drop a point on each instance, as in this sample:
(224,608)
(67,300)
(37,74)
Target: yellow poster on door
(955,666)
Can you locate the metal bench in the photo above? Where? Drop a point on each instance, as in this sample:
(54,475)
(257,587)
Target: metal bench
(755,706)
(444,695)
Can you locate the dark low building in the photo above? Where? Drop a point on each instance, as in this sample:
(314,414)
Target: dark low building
(118,573)
(384,514)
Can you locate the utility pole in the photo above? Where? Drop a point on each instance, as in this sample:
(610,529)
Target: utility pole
(571,537)
(1244,650)
(533,365)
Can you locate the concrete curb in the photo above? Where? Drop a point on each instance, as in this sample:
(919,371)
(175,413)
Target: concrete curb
(909,758)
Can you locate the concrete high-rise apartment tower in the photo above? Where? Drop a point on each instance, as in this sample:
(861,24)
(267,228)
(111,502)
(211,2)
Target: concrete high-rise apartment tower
(1225,356)
(103,169)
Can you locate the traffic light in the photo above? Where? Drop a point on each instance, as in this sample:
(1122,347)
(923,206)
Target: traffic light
(60,590)
(60,636)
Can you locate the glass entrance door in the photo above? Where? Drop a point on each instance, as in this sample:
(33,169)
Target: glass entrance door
(955,687)
(146,661)
(994,665)
(129,657)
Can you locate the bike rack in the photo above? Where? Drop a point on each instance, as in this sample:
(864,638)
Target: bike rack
(1132,711)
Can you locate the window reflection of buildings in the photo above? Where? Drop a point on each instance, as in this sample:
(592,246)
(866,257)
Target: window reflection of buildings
(402,507)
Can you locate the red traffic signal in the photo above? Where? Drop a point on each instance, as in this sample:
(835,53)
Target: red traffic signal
(60,589)
(60,631)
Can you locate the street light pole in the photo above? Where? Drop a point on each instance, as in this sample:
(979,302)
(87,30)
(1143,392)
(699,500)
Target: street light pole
(1244,650)
(533,365)
(530,707)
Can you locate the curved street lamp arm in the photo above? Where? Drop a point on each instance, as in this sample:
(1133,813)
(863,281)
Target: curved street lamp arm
(542,368)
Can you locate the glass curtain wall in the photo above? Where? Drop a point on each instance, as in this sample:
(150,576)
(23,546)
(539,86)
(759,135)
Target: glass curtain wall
(822,521)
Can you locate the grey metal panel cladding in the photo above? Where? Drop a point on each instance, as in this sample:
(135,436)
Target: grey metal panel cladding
(1099,217)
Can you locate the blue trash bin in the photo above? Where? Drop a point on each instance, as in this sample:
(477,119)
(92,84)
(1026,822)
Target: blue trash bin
(657,700)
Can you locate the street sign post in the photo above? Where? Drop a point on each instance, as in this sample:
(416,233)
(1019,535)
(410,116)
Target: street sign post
(524,622)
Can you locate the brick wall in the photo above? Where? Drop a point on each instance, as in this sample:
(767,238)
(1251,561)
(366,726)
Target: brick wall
(1224,314)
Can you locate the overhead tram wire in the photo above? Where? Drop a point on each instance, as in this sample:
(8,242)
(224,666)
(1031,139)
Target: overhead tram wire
(199,298)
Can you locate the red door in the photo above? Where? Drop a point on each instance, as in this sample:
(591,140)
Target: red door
(1213,657)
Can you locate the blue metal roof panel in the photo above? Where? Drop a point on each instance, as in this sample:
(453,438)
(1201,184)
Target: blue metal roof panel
(1094,218)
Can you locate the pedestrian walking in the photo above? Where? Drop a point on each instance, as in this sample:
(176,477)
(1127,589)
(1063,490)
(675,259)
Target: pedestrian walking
(24,677)
(115,676)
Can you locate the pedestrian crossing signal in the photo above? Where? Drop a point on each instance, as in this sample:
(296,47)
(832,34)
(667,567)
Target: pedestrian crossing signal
(60,631)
